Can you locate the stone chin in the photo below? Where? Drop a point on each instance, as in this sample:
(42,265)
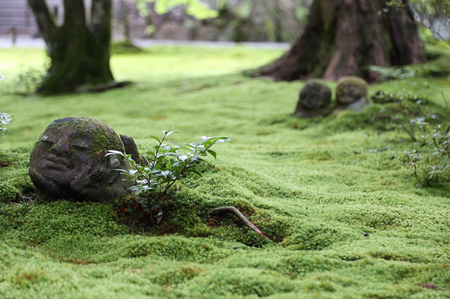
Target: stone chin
(46,187)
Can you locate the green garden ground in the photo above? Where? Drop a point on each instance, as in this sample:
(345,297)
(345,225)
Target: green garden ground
(299,181)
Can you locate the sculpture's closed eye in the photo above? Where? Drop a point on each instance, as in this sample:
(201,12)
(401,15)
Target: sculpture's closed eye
(80,147)
(46,140)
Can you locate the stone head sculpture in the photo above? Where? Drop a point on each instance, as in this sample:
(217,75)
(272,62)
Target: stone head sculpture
(351,93)
(68,161)
(314,100)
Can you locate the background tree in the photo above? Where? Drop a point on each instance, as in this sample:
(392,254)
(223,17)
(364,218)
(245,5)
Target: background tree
(431,12)
(342,37)
(79,48)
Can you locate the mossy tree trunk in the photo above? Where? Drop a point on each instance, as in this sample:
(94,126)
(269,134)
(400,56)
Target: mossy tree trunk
(79,50)
(343,37)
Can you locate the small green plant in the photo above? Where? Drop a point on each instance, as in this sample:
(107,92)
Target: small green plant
(168,164)
(382,97)
(406,112)
(5,119)
(29,80)
(432,162)
(427,128)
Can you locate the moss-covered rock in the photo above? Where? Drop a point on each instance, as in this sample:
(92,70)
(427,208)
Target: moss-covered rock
(68,161)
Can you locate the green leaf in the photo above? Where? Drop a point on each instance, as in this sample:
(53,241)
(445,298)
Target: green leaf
(212,153)
(114,152)
(156,138)
(168,133)
(196,172)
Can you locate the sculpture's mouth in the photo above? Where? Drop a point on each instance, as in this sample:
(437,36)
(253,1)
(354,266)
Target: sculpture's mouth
(56,163)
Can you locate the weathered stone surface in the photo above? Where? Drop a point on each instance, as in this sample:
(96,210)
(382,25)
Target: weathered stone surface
(68,161)
(131,149)
(350,90)
(315,99)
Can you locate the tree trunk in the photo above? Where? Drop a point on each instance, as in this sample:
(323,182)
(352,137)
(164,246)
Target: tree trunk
(343,37)
(79,51)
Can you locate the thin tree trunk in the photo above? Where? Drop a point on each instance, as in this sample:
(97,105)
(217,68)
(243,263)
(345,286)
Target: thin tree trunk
(343,37)
(44,19)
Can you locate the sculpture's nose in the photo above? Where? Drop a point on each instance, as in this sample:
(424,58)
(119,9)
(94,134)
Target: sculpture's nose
(61,147)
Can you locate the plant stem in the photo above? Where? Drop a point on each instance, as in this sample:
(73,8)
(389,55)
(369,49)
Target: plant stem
(397,121)
(416,174)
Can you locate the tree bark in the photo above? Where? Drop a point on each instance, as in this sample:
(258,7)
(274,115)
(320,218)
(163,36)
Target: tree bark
(343,37)
(79,51)
(44,19)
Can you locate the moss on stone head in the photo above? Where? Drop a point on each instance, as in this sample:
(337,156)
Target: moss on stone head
(350,89)
(103,136)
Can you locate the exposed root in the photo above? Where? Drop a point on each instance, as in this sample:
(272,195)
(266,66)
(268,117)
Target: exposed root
(104,87)
(336,41)
(241,217)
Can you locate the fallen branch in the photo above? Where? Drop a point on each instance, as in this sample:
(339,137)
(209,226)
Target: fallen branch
(241,217)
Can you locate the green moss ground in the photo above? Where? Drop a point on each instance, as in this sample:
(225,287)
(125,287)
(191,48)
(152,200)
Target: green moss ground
(299,180)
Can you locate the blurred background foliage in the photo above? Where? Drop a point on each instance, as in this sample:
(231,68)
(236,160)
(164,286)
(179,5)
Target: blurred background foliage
(215,20)
(244,20)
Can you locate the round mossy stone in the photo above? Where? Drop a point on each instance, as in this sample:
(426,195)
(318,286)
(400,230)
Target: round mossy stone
(314,100)
(350,90)
(68,161)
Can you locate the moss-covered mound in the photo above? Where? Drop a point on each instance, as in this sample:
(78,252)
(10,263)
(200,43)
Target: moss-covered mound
(347,219)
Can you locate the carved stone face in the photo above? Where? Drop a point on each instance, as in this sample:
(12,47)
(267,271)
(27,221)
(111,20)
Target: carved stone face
(350,90)
(68,161)
(315,100)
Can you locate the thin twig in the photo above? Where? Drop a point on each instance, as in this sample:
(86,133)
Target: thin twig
(241,217)
(397,121)
(416,174)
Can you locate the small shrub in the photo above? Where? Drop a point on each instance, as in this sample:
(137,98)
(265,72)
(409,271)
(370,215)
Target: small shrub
(426,126)
(432,162)
(168,164)
(407,112)
(5,119)
(29,80)
(382,97)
